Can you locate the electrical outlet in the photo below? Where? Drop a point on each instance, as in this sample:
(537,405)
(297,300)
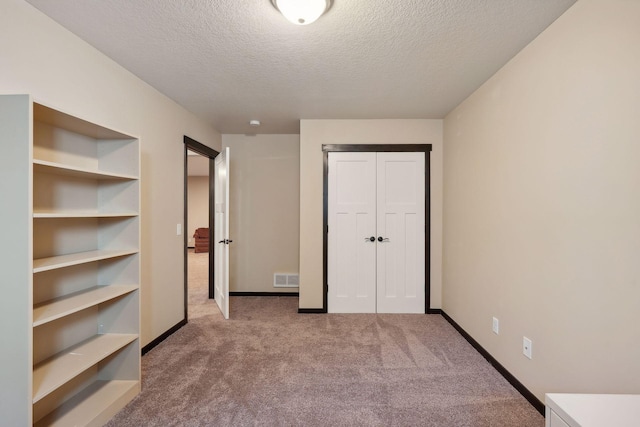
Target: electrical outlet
(527,347)
(496,326)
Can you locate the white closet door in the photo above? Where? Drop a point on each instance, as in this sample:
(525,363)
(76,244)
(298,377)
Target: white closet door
(401,224)
(351,263)
(221,233)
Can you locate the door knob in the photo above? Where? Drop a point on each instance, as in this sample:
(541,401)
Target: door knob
(372,239)
(383,239)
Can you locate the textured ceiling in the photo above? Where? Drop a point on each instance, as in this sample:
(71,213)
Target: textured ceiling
(229,61)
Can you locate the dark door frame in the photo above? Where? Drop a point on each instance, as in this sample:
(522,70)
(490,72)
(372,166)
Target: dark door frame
(210,153)
(378,148)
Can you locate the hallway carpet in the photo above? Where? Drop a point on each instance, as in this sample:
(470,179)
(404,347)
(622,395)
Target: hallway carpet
(270,366)
(199,303)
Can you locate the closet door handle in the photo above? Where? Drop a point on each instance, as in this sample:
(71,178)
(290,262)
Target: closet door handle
(370,239)
(383,239)
(221,241)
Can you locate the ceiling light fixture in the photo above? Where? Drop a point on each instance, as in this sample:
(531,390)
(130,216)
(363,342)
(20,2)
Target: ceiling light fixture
(302,12)
(254,123)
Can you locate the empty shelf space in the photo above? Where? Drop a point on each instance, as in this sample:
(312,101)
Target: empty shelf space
(57,370)
(52,263)
(83,214)
(51,310)
(62,169)
(96,402)
(58,119)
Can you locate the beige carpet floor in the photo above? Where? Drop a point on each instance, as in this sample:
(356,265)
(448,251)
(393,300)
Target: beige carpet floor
(199,304)
(270,366)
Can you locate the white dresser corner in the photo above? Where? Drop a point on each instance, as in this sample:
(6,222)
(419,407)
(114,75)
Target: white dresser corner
(592,410)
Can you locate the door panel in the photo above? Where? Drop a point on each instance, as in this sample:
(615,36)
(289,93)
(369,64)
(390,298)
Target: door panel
(351,220)
(400,278)
(379,195)
(221,232)
(411,251)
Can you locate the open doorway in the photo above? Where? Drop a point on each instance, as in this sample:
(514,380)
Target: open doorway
(199,194)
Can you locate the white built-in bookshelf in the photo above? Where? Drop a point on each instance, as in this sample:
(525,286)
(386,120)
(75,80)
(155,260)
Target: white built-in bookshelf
(73,267)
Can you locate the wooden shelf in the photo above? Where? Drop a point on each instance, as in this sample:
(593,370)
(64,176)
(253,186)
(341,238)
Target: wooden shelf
(62,367)
(55,262)
(61,120)
(84,214)
(55,309)
(61,169)
(94,405)
(75,201)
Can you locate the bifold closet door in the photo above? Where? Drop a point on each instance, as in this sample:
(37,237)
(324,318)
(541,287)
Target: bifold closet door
(376,235)
(400,278)
(351,258)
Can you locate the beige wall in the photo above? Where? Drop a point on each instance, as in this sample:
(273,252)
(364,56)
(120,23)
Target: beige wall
(198,205)
(39,57)
(542,206)
(314,133)
(264,212)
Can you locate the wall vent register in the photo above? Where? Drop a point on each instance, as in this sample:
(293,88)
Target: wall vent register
(284,280)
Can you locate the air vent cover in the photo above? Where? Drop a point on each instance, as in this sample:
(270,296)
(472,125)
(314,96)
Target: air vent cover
(285,280)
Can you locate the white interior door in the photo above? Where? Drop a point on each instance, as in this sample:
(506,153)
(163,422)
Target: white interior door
(221,232)
(376,235)
(400,278)
(351,263)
